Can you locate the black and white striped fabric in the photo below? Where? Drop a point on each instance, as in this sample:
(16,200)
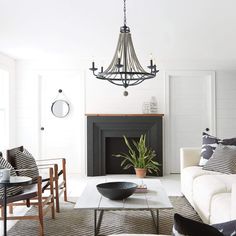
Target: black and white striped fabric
(209,144)
(25,160)
(184,226)
(227,228)
(223,160)
(12,190)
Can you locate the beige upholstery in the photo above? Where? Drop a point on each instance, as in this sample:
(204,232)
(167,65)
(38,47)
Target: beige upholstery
(212,194)
(189,157)
(220,207)
(233,202)
(188,175)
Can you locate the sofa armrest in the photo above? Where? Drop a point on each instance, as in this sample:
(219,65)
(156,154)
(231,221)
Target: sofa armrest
(233,202)
(189,156)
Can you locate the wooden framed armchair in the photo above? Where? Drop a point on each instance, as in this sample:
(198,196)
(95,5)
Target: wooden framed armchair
(33,194)
(59,172)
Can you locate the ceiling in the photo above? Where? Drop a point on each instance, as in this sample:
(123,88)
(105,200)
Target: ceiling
(197,30)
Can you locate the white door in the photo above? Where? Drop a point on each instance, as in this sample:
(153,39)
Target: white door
(63,137)
(191,111)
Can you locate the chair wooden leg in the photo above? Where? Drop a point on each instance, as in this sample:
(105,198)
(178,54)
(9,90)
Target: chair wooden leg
(10,209)
(64,178)
(40,207)
(56,188)
(52,194)
(2,213)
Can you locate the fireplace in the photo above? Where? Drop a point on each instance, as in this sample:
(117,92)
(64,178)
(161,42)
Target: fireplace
(105,138)
(116,145)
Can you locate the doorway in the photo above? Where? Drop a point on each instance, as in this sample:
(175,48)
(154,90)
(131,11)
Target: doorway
(190,109)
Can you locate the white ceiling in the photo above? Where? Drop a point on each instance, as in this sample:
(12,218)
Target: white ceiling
(171,29)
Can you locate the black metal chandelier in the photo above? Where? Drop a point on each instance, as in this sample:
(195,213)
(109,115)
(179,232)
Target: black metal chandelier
(125,69)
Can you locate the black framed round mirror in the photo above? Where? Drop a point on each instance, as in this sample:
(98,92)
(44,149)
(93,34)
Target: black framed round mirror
(60,108)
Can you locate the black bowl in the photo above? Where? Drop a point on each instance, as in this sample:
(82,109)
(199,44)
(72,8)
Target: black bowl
(116,190)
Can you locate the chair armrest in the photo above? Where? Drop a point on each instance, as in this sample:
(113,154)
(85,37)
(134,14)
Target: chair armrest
(49,169)
(233,202)
(50,159)
(189,157)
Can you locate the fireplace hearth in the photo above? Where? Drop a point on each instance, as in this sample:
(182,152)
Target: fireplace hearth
(105,138)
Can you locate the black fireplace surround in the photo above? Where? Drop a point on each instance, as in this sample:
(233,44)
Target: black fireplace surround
(105,137)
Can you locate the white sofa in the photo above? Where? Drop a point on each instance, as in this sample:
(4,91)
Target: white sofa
(212,194)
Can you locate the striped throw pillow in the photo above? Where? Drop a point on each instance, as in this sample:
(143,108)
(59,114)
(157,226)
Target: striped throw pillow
(223,160)
(209,144)
(11,191)
(24,160)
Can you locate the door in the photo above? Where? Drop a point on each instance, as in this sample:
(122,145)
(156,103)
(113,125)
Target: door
(191,111)
(63,136)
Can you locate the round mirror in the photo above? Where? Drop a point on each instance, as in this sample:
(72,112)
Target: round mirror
(60,108)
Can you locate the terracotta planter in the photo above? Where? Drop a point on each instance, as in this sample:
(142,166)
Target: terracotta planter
(140,173)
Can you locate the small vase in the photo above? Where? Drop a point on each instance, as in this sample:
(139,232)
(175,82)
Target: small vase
(140,173)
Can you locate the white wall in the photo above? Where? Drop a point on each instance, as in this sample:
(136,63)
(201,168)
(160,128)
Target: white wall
(102,97)
(29,119)
(8,64)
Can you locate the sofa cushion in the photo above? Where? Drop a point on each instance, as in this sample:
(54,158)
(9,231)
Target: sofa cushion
(227,228)
(223,160)
(24,160)
(205,187)
(209,144)
(11,191)
(188,175)
(184,226)
(220,208)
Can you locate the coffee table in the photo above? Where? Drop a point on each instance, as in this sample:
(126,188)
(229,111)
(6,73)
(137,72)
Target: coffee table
(154,200)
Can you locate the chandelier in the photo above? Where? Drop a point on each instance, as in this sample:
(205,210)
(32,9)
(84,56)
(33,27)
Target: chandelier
(125,69)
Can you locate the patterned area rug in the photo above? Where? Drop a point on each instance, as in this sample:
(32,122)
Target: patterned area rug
(72,222)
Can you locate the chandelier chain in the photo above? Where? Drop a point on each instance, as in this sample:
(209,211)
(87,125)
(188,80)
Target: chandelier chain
(125,12)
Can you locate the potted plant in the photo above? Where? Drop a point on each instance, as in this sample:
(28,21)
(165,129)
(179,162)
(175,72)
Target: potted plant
(140,157)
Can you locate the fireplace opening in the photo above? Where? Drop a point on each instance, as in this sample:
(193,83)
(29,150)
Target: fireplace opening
(116,145)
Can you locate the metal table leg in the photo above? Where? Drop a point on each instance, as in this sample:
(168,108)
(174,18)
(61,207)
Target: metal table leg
(155,220)
(97,223)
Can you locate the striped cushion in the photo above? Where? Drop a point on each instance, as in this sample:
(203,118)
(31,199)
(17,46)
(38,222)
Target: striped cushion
(209,144)
(12,190)
(24,160)
(223,160)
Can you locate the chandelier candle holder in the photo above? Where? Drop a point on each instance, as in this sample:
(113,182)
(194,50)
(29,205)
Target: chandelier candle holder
(125,69)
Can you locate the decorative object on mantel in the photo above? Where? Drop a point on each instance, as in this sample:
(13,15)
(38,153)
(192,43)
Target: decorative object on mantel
(146,107)
(125,69)
(60,107)
(153,105)
(140,158)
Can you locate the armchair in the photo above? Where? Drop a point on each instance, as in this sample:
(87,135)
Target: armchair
(33,195)
(59,174)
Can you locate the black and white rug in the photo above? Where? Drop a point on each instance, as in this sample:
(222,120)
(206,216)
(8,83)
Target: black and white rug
(72,221)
